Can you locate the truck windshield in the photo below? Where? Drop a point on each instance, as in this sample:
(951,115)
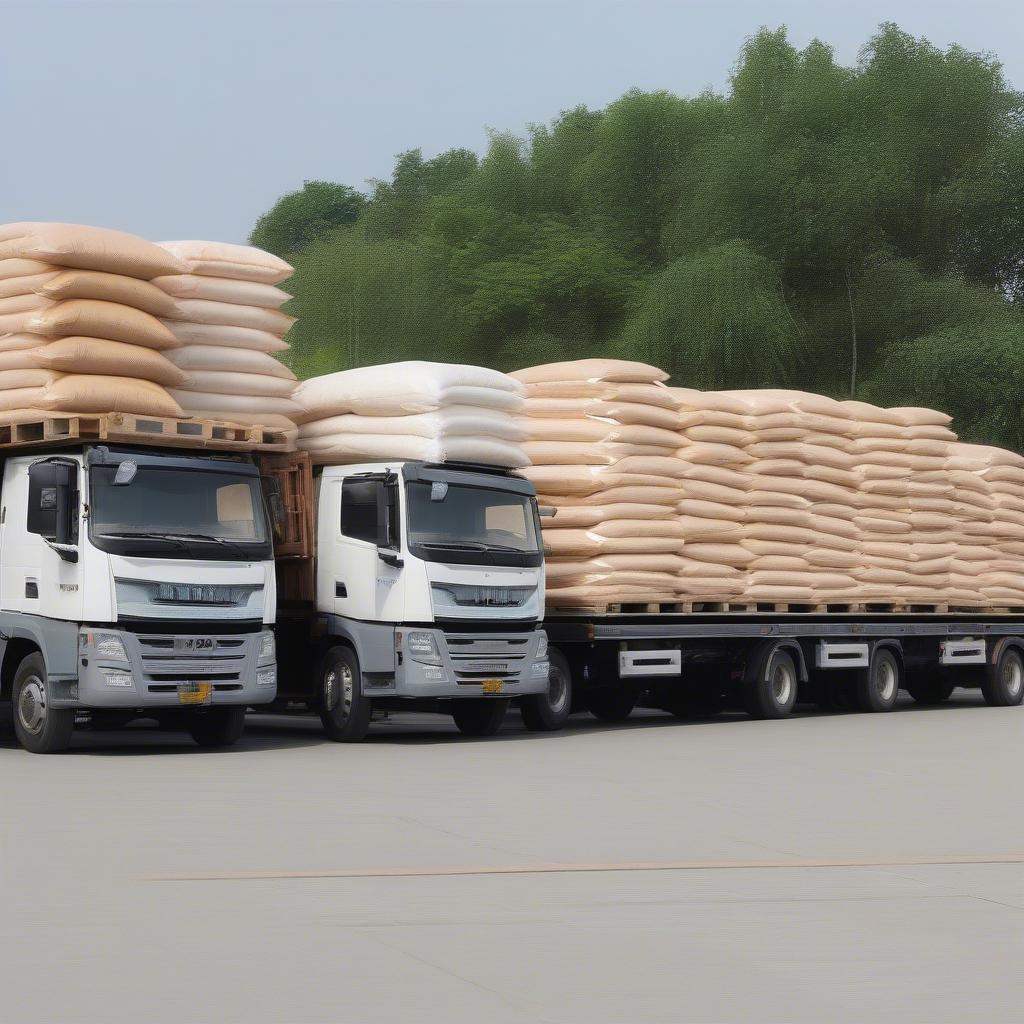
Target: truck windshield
(179,513)
(481,525)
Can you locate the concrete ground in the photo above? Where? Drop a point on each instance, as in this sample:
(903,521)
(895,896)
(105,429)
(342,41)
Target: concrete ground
(825,868)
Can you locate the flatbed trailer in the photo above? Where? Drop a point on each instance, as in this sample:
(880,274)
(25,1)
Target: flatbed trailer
(768,662)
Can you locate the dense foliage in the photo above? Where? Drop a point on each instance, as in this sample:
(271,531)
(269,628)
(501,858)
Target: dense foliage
(848,230)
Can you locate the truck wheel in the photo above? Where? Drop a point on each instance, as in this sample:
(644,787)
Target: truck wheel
(1003,685)
(344,709)
(548,711)
(40,728)
(929,691)
(217,727)
(772,693)
(481,717)
(611,705)
(878,685)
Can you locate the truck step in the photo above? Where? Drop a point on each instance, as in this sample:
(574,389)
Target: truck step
(129,428)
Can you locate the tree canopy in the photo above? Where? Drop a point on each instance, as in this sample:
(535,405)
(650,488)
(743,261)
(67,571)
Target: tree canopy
(852,230)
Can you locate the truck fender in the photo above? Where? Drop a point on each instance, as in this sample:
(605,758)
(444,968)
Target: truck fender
(57,642)
(996,650)
(756,666)
(373,642)
(891,644)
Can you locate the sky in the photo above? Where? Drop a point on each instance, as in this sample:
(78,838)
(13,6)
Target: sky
(188,120)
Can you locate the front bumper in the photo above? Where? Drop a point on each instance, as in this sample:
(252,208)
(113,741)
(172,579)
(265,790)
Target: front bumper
(155,663)
(468,661)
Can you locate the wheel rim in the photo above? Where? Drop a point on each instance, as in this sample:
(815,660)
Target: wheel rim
(32,706)
(1013,676)
(339,690)
(782,684)
(885,681)
(558,689)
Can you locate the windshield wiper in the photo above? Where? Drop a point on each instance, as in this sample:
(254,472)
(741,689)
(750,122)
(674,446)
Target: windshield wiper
(223,541)
(466,545)
(141,535)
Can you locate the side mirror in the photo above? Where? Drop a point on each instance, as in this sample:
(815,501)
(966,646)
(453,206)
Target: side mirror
(547,511)
(53,506)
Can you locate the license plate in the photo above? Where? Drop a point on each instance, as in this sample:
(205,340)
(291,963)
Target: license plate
(195,693)
(194,643)
(492,685)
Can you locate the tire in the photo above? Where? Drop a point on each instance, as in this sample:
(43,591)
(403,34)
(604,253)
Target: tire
(611,705)
(1003,686)
(479,717)
(548,711)
(344,709)
(878,685)
(772,692)
(929,691)
(40,729)
(217,727)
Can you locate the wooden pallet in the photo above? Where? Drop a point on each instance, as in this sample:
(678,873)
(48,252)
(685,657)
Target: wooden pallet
(775,608)
(164,431)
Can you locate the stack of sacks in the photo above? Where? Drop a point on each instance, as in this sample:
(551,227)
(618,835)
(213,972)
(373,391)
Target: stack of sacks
(602,442)
(434,412)
(777,497)
(224,313)
(79,323)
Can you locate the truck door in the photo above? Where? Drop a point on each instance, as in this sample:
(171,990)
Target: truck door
(288,489)
(364,571)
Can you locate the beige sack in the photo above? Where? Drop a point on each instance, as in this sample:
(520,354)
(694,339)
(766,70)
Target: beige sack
(222,289)
(582,516)
(26,303)
(228,383)
(225,337)
(618,371)
(258,318)
(640,394)
(17,400)
(201,402)
(13,269)
(95,394)
(222,259)
(113,358)
(87,248)
(96,319)
(26,377)
(227,359)
(94,284)
(625,413)
(12,286)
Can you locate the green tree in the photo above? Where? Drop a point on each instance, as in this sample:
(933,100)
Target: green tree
(300,218)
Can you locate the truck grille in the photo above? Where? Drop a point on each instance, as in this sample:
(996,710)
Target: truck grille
(475,658)
(472,596)
(169,660)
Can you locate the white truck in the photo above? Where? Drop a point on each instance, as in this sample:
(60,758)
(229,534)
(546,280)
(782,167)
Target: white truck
(426,592)
(134,582)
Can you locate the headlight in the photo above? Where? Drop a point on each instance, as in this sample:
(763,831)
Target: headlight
(123,679)
(268,650)
(541,668)
(542,645)
(266,677)
(423,648)
(106,645)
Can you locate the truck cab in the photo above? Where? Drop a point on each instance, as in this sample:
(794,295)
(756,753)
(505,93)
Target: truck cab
(134,582)
(427,593)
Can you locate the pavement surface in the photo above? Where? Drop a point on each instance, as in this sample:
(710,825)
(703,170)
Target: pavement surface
(824,868)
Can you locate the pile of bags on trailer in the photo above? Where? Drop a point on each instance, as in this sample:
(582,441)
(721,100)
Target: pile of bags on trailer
(434,412)
(97,321)
(752,497)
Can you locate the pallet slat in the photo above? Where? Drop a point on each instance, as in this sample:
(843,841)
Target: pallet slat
(129,428)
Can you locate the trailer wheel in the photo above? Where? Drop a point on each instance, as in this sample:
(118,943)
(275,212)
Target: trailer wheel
(771,693)
(611,705)
(878,685)
(479,717)
(40,728)
(548,711)
(1003,685)
(344,710)
(217,727)
(928,691)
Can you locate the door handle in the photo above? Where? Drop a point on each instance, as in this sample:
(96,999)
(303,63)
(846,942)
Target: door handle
(340,590)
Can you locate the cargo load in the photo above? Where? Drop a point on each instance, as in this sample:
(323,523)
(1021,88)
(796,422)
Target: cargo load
(226,322)
(431,412)
(763,497)
(95,322)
